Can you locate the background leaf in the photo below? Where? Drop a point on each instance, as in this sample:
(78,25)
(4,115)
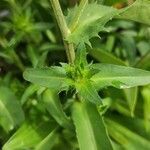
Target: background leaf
(52,103)
(127,138)
(105,57)
(146,98)
(49,142)
(11,113)
(29,135)
(28,92)
(131,97)
(140,12)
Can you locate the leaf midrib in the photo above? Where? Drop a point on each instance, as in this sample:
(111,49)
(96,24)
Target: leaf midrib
(47,77)
(98,78)
(8,113)
(89,126)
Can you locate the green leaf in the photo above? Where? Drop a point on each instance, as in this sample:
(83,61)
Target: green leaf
(105,57)
(131,97)
(88,92)
(54,77)
(29,135)
(110,43)
(128,43)
(121,106)
(119,76)
(144,62)
(54,107)
(140,12)
(49,142)
(146,97)
(127,138)
(6,56)
(92,18)
(90,128)
(11,113)
(28,92)
(42,60)
(143,46)
(135,124)
(116,146)
(90,22)
(32,54)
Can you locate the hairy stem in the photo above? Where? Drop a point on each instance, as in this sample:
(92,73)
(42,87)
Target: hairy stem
(64,30)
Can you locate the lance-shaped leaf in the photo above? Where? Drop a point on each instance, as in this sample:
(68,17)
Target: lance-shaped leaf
(54,77)
(89,23)
(105,57)
(87,91)
(90,128)
(48,142)
(144,62)
(119,76)
(139,11)
(146,98)
(28,92)
(29,135)
(11,113)
(54,107)
(129,139)
(131,97)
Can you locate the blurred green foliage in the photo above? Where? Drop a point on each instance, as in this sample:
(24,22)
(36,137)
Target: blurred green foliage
(30,37)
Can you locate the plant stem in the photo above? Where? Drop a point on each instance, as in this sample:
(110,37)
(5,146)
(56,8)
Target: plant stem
(64,30)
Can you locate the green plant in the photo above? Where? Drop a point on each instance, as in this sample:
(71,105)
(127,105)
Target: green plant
(69,92)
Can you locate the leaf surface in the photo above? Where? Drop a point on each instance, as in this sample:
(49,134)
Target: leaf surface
(126,137)
(105,57)
(29,135)
(140,11)
(131,97)
(146,98)
(88,92)
(11,113)
(54,77)
(48,142)
(90,128)
(52,103)
(92,19)
(28,92)
(144,62)
(119,76)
